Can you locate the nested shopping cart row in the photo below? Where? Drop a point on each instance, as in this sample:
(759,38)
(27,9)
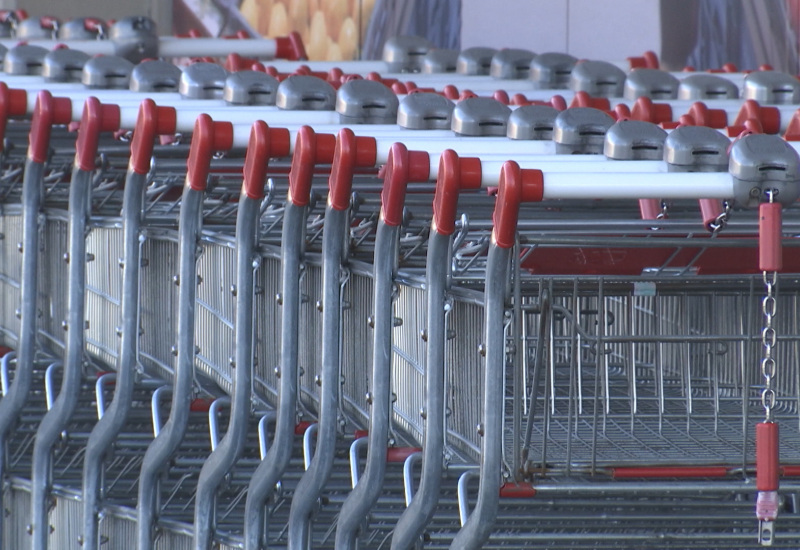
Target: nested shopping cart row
(562,350)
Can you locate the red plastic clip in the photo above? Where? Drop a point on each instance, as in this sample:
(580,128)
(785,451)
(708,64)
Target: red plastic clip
(402,167)
(265,143)
(208,137)
(454,175)
(515,186)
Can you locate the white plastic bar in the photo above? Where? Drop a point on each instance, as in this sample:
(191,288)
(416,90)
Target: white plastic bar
(91,47)
(566,185)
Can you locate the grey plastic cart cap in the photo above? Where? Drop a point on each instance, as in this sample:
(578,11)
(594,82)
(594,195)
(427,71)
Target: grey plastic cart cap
(32,28)
(75,29)
(155,76)
(581,130)
(634,140)
(366,102)
(511,64)
(532,122)
(403,54)
(64,65)
(771,87)
(480,116)
(760,163)
(696,149)
(203,81)
(425,111)
(551,70)
(24,60)
(305,93)
(135,38)
(707,86)
(250,88)
(108,72)
(652,83)
(597,78)
(440,61)
(475,61)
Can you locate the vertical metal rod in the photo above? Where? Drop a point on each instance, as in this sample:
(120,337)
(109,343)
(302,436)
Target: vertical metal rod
(413,520)
(481,521)
(170,436)
(109,426)
(314,479)
(274,464)
(366,492)
(230,448)
(57,418)
(12,403)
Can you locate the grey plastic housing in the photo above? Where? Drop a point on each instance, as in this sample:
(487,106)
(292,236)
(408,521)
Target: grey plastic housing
(366,102)
(32,28)
(597,78)
(250,88)
(155,76)
(135,38)
(707,86)
(404,54)
(24,59)
(551,70)
(480,116)
(581,130)
(75,29)
(652,83)
(511,64)
(475,61)
(762,163)
(440,61)
(773,87)
(634,140)
(532,122)
(305,93)
(696,149)
(64,65)
(107,72)
(203,81)
(425,111)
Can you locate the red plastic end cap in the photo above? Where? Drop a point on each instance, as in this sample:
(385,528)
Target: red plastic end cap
(621,112)
(767,457)
(583,99)
(519,100)
(765,67)
(12,103)
(256,161)
(769,117)
(645,109)
(48,111)
(454,174)
(558,102)
(651,60)
(301,427)
(703,116)
(792,129)
(302,171)
(374,76)
(770,250)
(730,68)
(208,137)
(501,96)
(200,404)
(96,118)
(515,186)
(402,167)
(399,88)
(234,62)
(683,120)
(517,490)
(290,47)
(4,350)
(335,75)
(150,122)
(366,152)
(467,94)
(450,92)
(344,163)
(636,62)
(400,454)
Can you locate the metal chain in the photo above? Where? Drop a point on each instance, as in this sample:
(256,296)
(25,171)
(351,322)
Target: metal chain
(768,339)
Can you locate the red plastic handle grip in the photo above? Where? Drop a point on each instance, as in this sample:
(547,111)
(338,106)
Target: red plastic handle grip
(151,121)
(48,111)
(710,210)
(309,150)
(291,47)
(703,116)
(265,143)
(12,103)
(517,490)
(645,109)
(650,209)
(400,454)
(770,251)
(208,137)
(402,167)
(351,152)
(767,457)
(515,186)
(96,118)
(583,99)
(769,117)
(454,175)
